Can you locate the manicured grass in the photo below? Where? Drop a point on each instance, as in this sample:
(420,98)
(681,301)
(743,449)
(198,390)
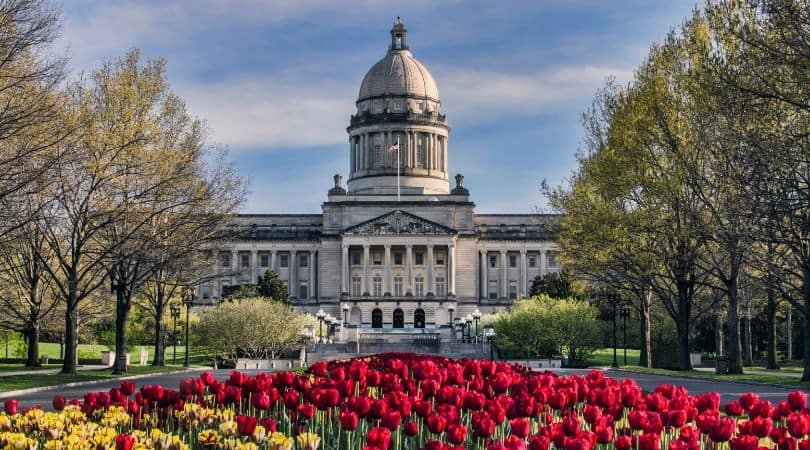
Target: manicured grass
(19,367)
(196,356)
(604,357)
(15,382)
(775,378)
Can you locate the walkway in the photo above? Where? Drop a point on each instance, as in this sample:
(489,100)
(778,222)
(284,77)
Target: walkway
(52,371)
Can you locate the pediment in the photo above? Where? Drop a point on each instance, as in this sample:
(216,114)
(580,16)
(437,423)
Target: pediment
(399,223)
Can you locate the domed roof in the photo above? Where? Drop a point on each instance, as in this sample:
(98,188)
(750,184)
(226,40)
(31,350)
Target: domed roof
(399,73)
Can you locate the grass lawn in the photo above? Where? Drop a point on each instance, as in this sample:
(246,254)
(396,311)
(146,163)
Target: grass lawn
(771,378)
(15,382)
(18,367)
(604,357)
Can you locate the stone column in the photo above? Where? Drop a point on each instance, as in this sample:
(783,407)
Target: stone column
(293,283)
(484,268)
(362,146)
(236,277)
(352,156)
(503,281)
(429,288)
(366,271)
(430,151)
(387,271)
(543,265)
(273,261)
(313,274)
(522,282)
(451,270)
(254,266)
(409,268)
(344,269)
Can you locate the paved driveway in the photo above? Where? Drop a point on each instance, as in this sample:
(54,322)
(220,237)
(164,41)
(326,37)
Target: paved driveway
(728,390)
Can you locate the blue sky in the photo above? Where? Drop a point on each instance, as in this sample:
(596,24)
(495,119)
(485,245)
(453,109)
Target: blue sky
(276,80)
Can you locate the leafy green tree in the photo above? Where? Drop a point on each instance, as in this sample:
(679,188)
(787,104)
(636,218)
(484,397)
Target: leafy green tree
(555,285)
(272,286)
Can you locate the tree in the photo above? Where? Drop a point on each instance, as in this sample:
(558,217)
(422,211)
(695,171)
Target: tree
(272,286)
(255,327)
(555,285)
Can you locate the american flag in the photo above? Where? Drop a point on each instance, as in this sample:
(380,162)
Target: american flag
(394,147)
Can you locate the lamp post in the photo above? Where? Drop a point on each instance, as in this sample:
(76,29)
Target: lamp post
(320,315)
(468,321)
(175,312)
(612,298)
(624,312)
(490,334)
(188,300)
(477,316)
(451,308)
(345,313)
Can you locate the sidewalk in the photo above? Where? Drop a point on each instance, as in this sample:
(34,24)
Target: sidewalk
(48,371)
(775,373)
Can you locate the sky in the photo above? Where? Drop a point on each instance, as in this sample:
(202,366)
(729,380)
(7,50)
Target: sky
(276,81)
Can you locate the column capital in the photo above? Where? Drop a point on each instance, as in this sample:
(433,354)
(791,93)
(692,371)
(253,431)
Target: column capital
(430,246)
(387,246)
(345,246)
(366,246)
(408,246)
(503,252)
(523,251)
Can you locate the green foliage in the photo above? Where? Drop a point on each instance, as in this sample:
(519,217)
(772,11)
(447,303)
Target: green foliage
(272,286)
(238,291)
(555,285)
(542,327)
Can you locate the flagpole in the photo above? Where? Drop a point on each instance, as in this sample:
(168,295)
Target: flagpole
(397,168)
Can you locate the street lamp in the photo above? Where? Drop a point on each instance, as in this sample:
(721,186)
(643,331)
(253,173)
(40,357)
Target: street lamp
(477,316)
(624,312)
(321,316)
(451,308)
(345,313)
(490,335)
(468,321)
(613,299)
(175,312)
(188,300)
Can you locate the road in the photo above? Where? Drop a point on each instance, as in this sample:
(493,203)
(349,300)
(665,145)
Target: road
(728,390)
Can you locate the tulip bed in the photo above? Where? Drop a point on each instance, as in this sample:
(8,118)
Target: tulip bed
(404,402)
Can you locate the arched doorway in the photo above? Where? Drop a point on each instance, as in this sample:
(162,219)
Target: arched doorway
(376,318)
(356,316)
(419,318)
(399,318)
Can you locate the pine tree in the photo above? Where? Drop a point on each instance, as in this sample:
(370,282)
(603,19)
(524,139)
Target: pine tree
(272,286)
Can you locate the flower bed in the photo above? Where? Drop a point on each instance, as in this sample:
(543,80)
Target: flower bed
(406,401)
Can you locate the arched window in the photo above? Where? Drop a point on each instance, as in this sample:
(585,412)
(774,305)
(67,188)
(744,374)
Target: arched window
(399,318)
(419,318)
(376,318)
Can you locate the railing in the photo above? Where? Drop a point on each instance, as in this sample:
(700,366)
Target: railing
(368,118)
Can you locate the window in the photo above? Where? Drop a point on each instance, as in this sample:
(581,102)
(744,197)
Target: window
(419,318)
(303,292)
(420,153)
(376,318)
(376,284)
(399,43)
(440,286)
(493,289)
(378,154)
(552,259)
(356,283)
(419,286)
(397,258)
(356,258)
(493,261)
(512,289)
(399,318)
(376,258)
(419,258)
(532,261)
(225,260)
(398,286)
(264,260)
(513,260)
(303,261)
(284,261)
(439,258)
(244,260)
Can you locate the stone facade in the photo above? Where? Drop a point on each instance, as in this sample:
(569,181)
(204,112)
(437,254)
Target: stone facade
(397,248)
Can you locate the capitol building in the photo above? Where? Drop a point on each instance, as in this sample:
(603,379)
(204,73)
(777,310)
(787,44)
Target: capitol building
(399,250)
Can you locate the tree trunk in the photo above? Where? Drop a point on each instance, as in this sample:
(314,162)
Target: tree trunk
(789,333)
(682,324)
(719,339)
(770,312)
(645,353)
(806,319)
(160,331)
(71,360)
(122,307)
(749,348)
(733,320)
(32,339)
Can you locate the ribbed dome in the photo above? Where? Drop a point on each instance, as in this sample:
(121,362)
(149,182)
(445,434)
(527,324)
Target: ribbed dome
(399,73)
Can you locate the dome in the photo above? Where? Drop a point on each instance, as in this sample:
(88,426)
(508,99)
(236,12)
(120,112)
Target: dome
(399,74)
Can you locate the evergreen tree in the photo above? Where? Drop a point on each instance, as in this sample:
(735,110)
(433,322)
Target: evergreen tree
(272,286)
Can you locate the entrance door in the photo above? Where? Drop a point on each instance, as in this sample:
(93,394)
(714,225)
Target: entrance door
(376,318)
(419,318)
(399,318)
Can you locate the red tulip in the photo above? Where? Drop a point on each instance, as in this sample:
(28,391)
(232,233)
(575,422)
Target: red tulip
(237,378)
(482,424)
(59,402)
(127,387)
(744,443)
(152,393)
(623,443)
(360,405)
(11,407)
(797,400)
(391,420)
(500,382)
(260,401)
(538,442)
(520,427)
(748,399)
(456,433)
(734,409)
(124,442)
(246,424)
(604,434)
(411,428)
(306,410)
(379,437)
(513,442)
(798,425)
(723,430)
(436,423)
(649,441)
(761,426)
(208,378)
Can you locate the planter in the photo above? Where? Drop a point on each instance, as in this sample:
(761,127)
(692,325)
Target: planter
(44,359)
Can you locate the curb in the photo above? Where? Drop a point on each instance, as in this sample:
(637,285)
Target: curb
(744,382)
(18,392)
